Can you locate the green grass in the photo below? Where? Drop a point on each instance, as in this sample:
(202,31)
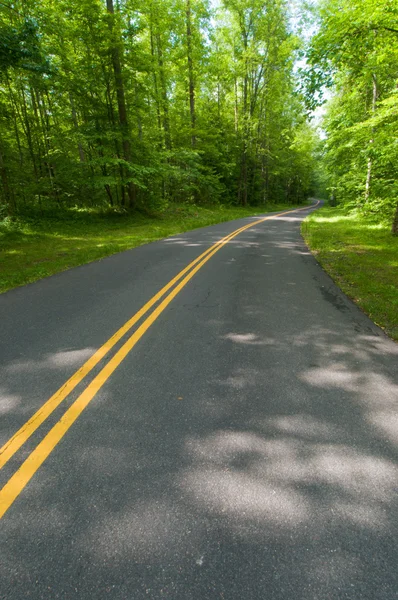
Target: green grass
(361,255)
(32,247)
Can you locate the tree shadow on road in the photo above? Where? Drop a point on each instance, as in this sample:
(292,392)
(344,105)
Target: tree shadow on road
(269,471)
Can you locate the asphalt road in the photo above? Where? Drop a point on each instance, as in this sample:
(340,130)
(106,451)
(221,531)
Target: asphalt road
(245,449)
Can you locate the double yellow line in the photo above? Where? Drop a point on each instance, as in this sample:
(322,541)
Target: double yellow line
(23,475)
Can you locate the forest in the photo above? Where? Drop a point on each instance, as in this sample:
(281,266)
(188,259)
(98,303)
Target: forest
(135,104)
(126,121)
(354,54)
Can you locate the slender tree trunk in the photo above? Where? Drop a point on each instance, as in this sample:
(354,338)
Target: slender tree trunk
(243,183)
(121,101)
(76,127)
(236,113)
(244,175)
(28,133)
(245,148)
(98,148)
(165,101)
(370,162)
(155,80)
(139,119)
(111,118)
(266,147)
(5,185)
(191,83)
(15,115)
(394,228)
(45,127)
(109,192)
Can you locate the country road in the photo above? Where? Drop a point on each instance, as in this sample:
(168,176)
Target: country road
(237,440)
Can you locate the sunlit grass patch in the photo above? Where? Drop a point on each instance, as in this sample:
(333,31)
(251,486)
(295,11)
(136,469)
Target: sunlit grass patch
(361,255)
(34,248)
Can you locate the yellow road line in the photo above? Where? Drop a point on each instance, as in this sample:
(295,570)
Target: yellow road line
(21,478)
(23,434)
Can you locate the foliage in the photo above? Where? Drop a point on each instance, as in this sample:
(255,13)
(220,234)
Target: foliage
(139,104)
(356,48)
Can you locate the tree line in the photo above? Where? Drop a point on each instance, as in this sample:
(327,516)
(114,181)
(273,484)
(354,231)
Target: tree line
(138,103)
(355,53)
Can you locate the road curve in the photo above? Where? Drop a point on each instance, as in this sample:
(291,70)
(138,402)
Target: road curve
(245,446)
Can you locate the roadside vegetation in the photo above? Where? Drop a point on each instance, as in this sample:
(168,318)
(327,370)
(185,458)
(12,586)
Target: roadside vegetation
(361,256)
(35,246)
(113,112)
(354,55)
(122,123)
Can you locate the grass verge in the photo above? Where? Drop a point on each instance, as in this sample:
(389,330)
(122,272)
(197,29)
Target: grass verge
(35,247)
(361,256)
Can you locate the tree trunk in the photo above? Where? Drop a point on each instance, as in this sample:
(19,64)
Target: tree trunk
(76,127)
(394,229)
(15,114)
(243,191)
(236,113)
(121,101)
(245,145)
(243,186)
(155,79)
(45,129)
(6,187)
(191,83)
(111,118)
(165,102)
(370,162)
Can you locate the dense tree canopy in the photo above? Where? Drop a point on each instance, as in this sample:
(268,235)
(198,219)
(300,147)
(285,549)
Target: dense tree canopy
(137,103)
(356,52)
